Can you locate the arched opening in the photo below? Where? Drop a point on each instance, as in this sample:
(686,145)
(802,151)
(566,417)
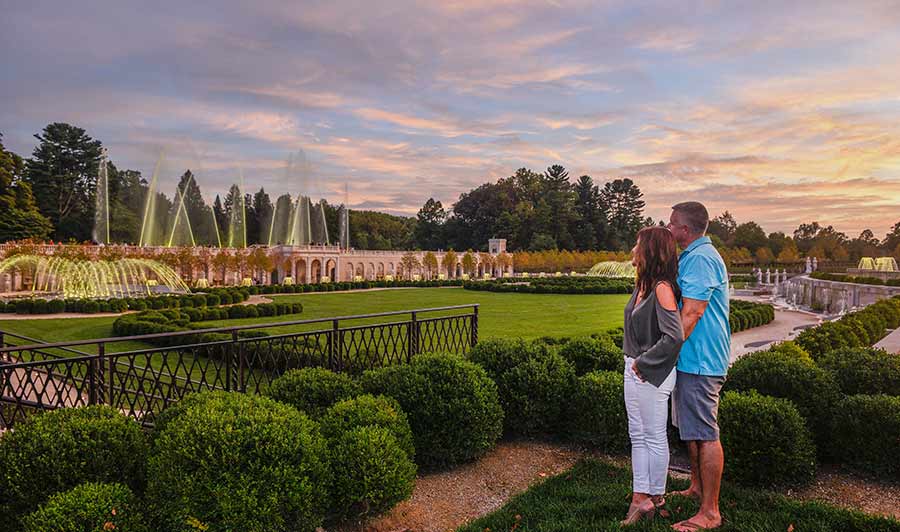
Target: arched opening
(380,273)
(370,272)
(348,271)
(330,269)
(359,270)
(300,272)
(458,270)
(316,271)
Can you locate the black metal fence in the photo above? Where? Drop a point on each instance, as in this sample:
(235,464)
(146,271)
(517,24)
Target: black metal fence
(37,376)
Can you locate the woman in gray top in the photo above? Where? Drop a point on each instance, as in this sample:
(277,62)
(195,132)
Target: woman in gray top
(653,337)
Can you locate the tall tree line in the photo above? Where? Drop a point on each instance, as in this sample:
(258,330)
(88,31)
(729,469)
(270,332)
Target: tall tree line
(536,212)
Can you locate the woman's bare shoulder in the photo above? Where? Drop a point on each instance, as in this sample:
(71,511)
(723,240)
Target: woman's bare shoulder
(666,296)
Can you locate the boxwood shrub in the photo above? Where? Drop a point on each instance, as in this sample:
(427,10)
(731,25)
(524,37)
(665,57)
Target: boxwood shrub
(826,337)
(89,507)
(590,354)
(59,449)
(765,441)
(372,472)
(452,405)
(597,411)
(811,389)
(867,432)
(312,390)
(534,382)
(864,370)
(791,349)
(232,461)
(369,410)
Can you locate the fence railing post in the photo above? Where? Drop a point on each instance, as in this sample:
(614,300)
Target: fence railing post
(229,366)
(413,335)
(110,377)
(334,347)
(92,380)
(242,387)
(474,338)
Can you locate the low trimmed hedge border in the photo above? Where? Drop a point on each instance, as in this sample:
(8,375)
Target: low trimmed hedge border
(554,285)
(856,279)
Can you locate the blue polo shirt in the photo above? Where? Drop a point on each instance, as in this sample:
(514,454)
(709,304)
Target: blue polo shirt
(702,276)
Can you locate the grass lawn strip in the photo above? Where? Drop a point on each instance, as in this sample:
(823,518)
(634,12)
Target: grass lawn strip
(594,496)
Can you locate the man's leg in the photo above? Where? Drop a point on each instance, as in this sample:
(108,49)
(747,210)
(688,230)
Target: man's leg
(695,491)
(712,463)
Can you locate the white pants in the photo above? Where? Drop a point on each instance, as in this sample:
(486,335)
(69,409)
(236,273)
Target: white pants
(648,411)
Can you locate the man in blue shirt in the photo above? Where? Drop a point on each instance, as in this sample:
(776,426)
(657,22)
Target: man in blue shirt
(703,361)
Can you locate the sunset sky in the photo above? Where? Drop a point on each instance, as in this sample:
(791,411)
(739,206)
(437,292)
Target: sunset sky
(781,112)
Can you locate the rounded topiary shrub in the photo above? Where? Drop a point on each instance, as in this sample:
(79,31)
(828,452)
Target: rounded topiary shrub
(312,390)
(597,411)
(864,370)
(826,337)
(498,355)
(88,507)
(866,433)
(57,450)
(765,441)
(534,382)
(810,388)
(368,410)
(791,349)
(372,472)
(589,354)
(231,461)
(534,394)
(452,406)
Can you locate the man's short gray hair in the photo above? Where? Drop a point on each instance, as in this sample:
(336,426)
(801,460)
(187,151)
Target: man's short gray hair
(694,215)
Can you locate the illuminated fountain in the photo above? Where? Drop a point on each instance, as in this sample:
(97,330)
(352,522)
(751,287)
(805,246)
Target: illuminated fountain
(613,269)
(881,264)
(84,278)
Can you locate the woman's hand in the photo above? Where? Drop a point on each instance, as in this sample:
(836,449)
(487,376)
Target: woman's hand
(637,372)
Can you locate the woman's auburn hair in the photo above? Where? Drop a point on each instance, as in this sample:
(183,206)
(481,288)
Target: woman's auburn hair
(657,260)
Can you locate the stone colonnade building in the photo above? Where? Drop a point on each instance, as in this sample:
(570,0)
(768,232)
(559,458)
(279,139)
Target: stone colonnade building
(302,264)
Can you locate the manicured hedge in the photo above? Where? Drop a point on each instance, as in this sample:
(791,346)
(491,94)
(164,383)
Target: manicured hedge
(860,279)
(369,410)
(765,441)
(59,449)
(535,383)
(93,306)
(866,433)
(864,370)
(232,461)
(555,285)
(452,405)
(313,390)
(588,354)
(89,507)
(172,320)
(372,472)
(597,411)
(776,373)
(743,315)
(856,329)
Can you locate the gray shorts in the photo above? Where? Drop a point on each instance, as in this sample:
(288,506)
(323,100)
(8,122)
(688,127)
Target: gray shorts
(695,406)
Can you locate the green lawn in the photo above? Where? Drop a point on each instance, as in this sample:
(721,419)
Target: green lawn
(594,496)
(500,314)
